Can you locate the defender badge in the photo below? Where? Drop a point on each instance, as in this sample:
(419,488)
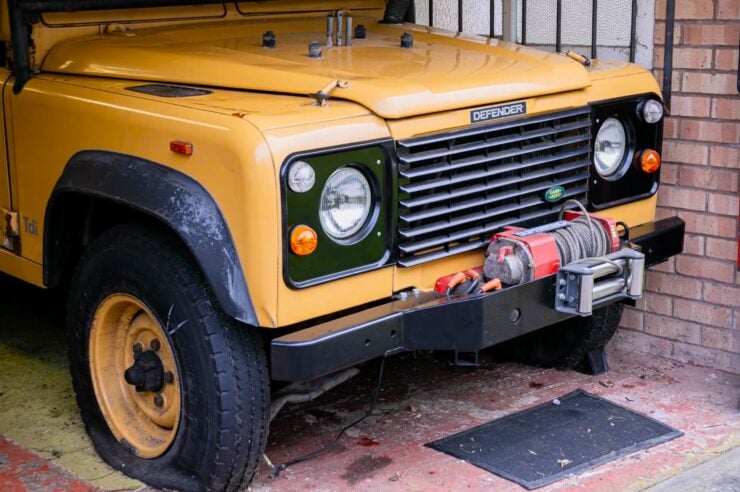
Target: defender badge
(554,194)
(498,112)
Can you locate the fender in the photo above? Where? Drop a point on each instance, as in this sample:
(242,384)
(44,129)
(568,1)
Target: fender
(169,196)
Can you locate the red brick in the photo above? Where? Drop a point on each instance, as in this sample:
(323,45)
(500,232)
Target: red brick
(675,79)
(722,156)
(710,34)
(663,326)
(719,339)
(668,173)
(666,267)
(693,245)
(726,295)
(687,9)
(710,131)
(675,285)
(728,9)
(710,225)
(632,319)
(726,109)
(671,128)
(696,266)
(708,83)
(686,58)
(721,249)
(725,58)
(687,153)
(671,196)
(709,178)
(659,34)
(701,312)
(659,304)
(695,106)
(724,204)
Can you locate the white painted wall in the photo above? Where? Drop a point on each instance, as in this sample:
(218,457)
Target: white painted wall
(613,33)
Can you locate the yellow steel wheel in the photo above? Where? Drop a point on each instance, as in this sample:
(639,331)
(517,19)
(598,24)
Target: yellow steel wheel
(135,376)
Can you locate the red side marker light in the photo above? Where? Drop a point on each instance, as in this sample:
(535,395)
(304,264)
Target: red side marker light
(180,147)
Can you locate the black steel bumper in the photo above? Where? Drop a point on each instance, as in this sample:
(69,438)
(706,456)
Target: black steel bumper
(429,322)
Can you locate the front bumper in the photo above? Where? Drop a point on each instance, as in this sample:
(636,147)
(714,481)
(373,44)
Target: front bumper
(425,321)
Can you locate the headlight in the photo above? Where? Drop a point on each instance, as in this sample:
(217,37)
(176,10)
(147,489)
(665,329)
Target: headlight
(610,147)
(346,203)
(651,111)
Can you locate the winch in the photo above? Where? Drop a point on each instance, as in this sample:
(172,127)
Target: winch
(518,255)
(584,250)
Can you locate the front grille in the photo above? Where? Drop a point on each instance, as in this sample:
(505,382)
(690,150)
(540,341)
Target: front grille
(457,188)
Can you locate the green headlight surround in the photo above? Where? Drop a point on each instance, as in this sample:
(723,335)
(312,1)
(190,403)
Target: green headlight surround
(333,259)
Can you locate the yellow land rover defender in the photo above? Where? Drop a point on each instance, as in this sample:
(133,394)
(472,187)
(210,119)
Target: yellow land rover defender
(240,193)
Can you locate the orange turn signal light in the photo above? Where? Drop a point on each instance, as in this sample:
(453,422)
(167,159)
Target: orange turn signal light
(180,147)
(650,161)
(303,240)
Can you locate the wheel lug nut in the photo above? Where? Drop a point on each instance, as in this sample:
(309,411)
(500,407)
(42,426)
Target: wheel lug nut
(169,378)
(155,345)
(159,401)
(138,348)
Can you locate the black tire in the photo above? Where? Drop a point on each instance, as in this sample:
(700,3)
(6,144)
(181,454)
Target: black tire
(566,344)
(222,367)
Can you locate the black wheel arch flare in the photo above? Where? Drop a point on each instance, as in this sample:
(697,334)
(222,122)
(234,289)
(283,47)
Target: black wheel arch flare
(174,199)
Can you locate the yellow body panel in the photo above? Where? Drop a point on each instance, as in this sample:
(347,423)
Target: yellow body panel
(439,73)
(241,136)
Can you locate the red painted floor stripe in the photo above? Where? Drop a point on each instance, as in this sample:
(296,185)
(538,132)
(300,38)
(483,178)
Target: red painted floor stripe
(23,471)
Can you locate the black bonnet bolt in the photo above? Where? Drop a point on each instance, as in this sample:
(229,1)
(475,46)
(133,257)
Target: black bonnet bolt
(269,40)
(314,49)
(360,32)
(407,40)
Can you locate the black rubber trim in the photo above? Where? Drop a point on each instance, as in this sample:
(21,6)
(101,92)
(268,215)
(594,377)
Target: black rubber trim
(169,196)
(431,322)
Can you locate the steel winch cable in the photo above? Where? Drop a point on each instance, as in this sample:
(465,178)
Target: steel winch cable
(583,240)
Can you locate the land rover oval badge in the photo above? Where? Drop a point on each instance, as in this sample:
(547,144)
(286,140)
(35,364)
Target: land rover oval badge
(554,194)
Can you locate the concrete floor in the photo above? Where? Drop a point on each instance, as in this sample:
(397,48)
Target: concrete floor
(43,445)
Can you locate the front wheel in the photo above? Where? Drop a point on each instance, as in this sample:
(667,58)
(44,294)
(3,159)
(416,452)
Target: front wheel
(172,392)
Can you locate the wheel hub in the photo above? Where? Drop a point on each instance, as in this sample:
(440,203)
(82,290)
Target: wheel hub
(146,373)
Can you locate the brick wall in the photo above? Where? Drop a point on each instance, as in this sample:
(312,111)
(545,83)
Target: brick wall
(692,309)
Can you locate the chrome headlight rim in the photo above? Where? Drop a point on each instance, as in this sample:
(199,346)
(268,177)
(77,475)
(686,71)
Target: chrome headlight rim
(369,217)
(620,168)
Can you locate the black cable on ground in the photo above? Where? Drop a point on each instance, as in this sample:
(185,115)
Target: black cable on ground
(277,470)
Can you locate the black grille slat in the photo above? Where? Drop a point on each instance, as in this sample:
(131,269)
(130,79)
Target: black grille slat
(430,213)
(415,173)
(458,187)
(460,178)
(482,216)
(489,144)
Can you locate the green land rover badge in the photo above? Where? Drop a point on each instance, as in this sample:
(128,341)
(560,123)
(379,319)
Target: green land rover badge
(554,194)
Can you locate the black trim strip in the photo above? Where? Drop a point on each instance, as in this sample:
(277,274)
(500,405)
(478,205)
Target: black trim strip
(167,195)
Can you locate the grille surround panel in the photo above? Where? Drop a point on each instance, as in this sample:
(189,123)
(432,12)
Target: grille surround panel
(456,188)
